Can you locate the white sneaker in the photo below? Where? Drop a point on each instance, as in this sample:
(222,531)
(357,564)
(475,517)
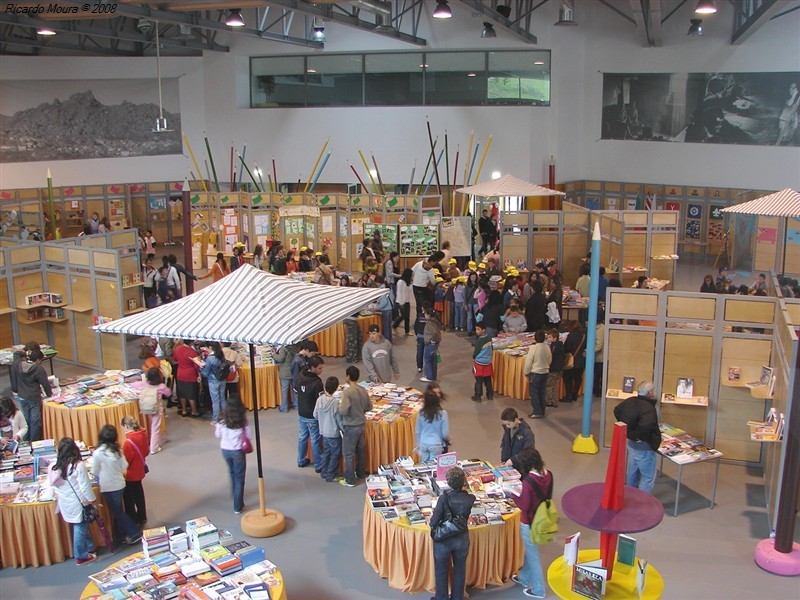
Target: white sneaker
(425,379)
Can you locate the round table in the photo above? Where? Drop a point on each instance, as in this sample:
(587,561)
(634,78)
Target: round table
(641,511)
(268,384)
(91,591)
(331,341)
(34,535)
(85,422)
(508,378)
(403,554)
(621,586)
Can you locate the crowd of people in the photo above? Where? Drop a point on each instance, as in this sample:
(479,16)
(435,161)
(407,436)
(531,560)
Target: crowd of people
(723,284)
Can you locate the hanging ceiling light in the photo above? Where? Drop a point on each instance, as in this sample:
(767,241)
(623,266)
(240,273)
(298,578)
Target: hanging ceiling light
(45,31)
(566,15)
(705,7)
(318,35)
(235,18)
(696,27)
(442,10)
(488,31)
(161,121)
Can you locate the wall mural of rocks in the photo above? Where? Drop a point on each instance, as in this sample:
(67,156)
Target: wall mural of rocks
(55,120)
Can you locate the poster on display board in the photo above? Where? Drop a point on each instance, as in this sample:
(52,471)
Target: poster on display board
(388,235)
(458,231)
(418,240)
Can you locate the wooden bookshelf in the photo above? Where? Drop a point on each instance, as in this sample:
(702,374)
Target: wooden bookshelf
(693,401)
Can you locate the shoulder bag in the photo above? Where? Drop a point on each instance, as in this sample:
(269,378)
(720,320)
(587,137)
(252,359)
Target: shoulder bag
(89,510)
(569,357)
(247,447)
(139,452)
(451,526)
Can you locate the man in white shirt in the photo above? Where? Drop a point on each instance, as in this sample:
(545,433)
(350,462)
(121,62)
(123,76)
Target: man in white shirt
(423,281)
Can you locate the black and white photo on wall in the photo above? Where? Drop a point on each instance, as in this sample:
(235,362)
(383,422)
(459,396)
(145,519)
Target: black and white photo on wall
(713,108)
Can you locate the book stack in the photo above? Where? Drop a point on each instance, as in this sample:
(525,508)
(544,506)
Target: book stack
(178,540)
(155,541)
(250,555)
(109,579)
(201,533)
(226,564)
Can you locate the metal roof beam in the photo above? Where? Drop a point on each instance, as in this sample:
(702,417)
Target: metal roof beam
(523,34)
(39,44)
(751,15)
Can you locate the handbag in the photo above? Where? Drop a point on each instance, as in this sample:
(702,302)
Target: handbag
(89,510)
(451,526)
(144,462)
(247,447)
(569,357)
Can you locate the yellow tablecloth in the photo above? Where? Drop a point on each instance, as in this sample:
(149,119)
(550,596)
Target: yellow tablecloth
(331,341)
(33,534)
(404,554)
(91,591)
(622,584)
(386,442)
(508,378)
(84,422)
(268,385)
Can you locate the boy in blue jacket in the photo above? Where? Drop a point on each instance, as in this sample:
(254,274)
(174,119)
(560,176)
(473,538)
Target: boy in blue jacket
(482,363)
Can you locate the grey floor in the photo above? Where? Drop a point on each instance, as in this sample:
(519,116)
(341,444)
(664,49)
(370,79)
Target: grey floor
(701,554)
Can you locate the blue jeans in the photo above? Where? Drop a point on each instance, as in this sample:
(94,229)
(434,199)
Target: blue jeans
(420,351)
(309,428)
(32,411)
(429,360)
(216,390)
(530,575)
(354,450)
(537,388)
(386,323)
(331,452)
(641,466)
(286,385)
(237,465)
(471,308)
(427,453)
(82,542)
(456,547)
(123,524)
(460,317)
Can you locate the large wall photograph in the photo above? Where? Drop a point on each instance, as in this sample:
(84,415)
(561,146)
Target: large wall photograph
(102,118)
(708,108)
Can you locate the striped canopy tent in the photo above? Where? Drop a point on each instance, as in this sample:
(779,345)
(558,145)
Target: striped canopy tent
(508,185)
(785,203)
(250,306)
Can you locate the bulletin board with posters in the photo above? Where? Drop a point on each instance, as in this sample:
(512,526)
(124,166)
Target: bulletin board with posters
(388,235)
(419,240)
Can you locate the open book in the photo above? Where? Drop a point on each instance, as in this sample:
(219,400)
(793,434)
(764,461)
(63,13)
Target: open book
(765,379)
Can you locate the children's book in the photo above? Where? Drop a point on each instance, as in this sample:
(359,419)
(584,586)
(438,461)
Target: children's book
(571,548)
(685,389)
(627,384)
(734,373)
(626,550)
(589,579)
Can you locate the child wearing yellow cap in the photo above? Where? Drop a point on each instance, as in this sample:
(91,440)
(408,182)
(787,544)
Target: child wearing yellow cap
(458,316)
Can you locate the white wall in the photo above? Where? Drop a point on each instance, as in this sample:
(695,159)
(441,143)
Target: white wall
(215,96)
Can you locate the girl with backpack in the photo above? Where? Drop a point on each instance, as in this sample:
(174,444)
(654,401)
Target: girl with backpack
(152,391)
(537,486)
(217,380)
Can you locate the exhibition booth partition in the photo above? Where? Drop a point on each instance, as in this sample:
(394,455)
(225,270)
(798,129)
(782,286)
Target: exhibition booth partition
(55,291)
(720,364)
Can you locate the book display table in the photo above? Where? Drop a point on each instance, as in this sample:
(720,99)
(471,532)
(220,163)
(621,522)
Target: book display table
(91,591)
(85,422)
(403,553)
(34,535)
(7,356)
(507,377)
(331,341)
(621,586)
(682,449)
(268,385)
(642,511)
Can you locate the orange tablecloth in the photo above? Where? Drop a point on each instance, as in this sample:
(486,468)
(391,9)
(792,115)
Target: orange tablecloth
(91,591)
(508,378)
(268,385)
(331,341)
(33,534)
(404,554)
(84,422)
(386,442)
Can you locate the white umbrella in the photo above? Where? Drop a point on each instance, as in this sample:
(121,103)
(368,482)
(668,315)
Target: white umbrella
(508,185)
(785,203)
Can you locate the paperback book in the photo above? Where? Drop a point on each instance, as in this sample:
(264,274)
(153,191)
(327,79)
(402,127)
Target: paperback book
(627,384)
(589,579)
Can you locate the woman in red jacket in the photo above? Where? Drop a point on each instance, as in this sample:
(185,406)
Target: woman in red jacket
(135,449)
(537,485)
(186,377)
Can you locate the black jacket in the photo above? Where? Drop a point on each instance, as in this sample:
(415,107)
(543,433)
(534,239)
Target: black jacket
(309,387)
(639,414)
(491,316)
(485,226)
(534,312)
(460,503)
(28,379)
(575,344)
(557,362)
(512,445)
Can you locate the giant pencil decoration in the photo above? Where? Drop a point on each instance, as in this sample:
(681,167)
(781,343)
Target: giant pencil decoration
(51,214)
(194,161)
(436,164)
(260,178)
(430,179)
(447,167)
(246,168)
(366,166)
(467,164)
(274,174)
(378,174)
(361,181)
(211,160)
(208,174)
(233,172)
(453,193)
(472,164)
(483,158)
(244,154)
(316,164)
(411,180)
(316,177)
(427,166)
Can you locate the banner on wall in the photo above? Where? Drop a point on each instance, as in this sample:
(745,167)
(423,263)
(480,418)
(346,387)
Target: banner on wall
(760,109)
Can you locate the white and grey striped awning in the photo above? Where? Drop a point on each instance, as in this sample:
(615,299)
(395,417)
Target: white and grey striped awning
(785,203)
(249,306)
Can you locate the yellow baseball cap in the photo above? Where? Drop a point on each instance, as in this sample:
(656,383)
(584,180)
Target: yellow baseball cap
(303,248)
(482,266)
(438,279)
(318,254)
(452,261)
(472,265)
(462,279)
(240,244)
(437,271)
